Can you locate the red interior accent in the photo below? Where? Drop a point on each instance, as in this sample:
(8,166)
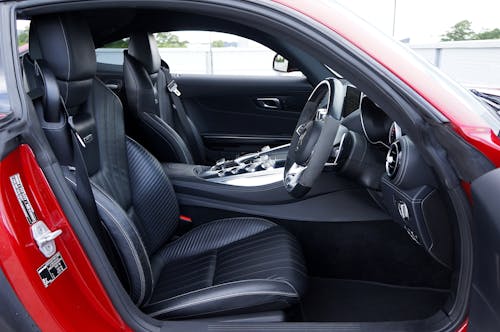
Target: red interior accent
(464,326)
(76,300)
(185,218)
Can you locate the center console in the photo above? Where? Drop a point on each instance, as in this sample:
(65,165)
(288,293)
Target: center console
(254,169)
(253,185)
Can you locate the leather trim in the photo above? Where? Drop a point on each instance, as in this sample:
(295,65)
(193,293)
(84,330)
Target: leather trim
(168,136)
(227,265)
(252,293)
(212,235)
(155,208)
(63,41)
(129,244)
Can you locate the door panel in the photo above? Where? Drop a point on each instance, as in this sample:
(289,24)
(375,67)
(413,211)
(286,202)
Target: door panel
(241,114)
(485,293)
(234,114)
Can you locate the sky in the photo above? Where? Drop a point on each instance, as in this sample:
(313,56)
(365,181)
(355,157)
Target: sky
(423,21)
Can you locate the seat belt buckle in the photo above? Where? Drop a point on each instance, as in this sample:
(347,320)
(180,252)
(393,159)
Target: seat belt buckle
(172,87)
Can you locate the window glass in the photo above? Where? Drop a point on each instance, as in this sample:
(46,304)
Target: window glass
(23,27)
(204,52)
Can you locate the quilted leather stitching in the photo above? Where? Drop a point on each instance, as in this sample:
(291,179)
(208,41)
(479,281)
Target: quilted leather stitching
(265,253)
(211,235)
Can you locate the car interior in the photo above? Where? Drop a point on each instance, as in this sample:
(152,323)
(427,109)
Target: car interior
(240,198)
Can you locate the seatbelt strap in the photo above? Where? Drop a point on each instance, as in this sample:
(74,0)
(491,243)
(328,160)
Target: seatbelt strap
(194,141)
(83,190)
(164,105)
(83,186)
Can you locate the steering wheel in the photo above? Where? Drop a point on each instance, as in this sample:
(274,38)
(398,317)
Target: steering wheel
(314,136)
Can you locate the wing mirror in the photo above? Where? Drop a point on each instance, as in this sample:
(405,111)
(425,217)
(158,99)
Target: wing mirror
(283,65)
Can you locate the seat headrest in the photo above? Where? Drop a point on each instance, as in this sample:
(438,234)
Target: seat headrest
(142,46)
(65,43)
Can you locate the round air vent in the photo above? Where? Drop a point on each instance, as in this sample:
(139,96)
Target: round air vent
(393,159)
(395,133)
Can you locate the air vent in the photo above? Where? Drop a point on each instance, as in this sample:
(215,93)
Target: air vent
(392,160)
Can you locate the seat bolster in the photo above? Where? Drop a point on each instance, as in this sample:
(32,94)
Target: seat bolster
(229,298)
(130,244)
(164,141)
(127,241)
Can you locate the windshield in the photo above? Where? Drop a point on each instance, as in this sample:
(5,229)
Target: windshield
(464,44)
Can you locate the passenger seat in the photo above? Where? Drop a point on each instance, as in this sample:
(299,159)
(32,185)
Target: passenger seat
(159,120)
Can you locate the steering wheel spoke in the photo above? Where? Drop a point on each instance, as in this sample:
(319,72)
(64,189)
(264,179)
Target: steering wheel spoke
(314,136)
(292,177)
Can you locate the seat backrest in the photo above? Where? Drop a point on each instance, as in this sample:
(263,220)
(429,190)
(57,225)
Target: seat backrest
(135,199)
(150,102)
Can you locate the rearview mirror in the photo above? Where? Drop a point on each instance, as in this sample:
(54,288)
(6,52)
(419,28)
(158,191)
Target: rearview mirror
(282,65)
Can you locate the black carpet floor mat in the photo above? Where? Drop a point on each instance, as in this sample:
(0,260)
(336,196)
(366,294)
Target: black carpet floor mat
(340,300)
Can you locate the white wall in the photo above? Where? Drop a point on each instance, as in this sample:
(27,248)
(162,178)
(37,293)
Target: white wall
(471,63)
(221,61)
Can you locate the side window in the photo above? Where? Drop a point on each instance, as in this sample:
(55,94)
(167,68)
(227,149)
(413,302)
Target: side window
(204,52)
(23,28)
(112,53)
(215,53)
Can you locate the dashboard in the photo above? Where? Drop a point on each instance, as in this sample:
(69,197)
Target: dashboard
(375,151)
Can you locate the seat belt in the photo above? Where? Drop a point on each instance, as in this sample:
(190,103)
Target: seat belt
(51,105)
(83,187)
(86,198)
(194,141)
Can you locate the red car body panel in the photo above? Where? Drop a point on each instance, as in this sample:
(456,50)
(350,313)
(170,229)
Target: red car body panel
(420,76)
(76,300)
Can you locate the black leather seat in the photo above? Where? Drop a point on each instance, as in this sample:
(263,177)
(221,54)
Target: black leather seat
(156,123)
(230,266)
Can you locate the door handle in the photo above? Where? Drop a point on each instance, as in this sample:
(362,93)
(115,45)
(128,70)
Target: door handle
(269,103)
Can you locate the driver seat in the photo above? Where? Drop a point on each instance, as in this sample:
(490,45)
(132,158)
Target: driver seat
(225,267)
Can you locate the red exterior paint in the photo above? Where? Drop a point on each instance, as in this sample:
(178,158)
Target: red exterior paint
(438,90)
(76,300)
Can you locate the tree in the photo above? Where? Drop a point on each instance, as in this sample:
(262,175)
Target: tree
(121,43)
(218,43)
(169,40)
(460,31)
(23,37)
(463,31)
(488,34)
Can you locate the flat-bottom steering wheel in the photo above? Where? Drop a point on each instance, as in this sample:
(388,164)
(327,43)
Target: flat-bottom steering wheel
(314,136)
